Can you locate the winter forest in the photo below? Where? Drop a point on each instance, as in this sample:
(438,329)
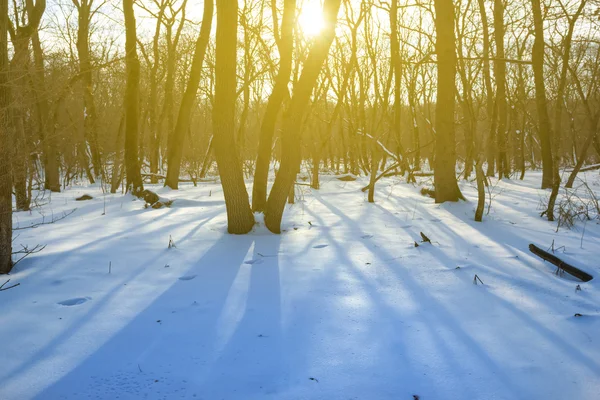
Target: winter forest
(299,199)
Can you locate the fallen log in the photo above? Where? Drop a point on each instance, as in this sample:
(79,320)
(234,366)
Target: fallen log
(588,168)
(183,180)
(551,258)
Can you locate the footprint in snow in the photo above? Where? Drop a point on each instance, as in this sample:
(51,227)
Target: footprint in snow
(320,246)
(255,261)
(187,277)
(74,302)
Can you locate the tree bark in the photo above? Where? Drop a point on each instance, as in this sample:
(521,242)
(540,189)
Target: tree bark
(239,215)
(6,142)
(132,66)
(274,104)
(51,172)
(177,136)
(85,69)
(291,152)
(501,96)
(446,187)
(545,130)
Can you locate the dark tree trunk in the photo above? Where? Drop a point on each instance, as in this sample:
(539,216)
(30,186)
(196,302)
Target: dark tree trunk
(545,131)
(5,145)
(239,215)
(501,100)
(177,136)
(446,187)
(280,90)
(491,116)
(51,175)
(85,69)
(562,83)
(291,155)
(132,163)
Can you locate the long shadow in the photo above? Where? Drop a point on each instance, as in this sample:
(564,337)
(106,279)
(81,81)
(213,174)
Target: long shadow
(444,318)
(250,354)
(175,334)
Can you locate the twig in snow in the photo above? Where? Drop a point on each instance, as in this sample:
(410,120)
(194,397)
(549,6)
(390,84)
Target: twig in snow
(27,252)
(171,242)
(476,278)
(425,238)
(9,287)
(65,215)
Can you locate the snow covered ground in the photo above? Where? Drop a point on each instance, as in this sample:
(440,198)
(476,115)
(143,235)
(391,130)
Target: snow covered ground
(342,305)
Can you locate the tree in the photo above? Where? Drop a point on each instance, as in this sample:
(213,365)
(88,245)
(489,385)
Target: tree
(240,219)
(545,130)
(20,35)
(86,10)
(501,100)
(51,163)
(292,124)
(132,165)
(5,156)
(285,44)
(177,136)
(446,186)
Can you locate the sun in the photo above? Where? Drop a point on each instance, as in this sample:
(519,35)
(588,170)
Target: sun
(310,19)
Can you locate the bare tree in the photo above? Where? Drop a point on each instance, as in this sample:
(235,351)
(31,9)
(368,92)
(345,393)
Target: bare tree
(132,164)
(239,215)
(545,130)
(5,156)
(292,124)
(446,186)
(177,136)
(285,44)
(86,10)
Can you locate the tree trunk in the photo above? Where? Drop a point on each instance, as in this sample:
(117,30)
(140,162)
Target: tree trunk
(239,215)
(177,136)
(291,152)
(446,187)
(51,172)
(501,100)
(267,128)
(559,107)
(545,131)
(132,66)
(491,116)
(5,156)
(85,69)
(480,191)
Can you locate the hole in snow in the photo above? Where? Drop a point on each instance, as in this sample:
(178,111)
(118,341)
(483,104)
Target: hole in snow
(74,302)
(320,246)
(187,277)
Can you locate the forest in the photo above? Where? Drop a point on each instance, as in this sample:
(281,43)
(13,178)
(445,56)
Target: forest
(247,199)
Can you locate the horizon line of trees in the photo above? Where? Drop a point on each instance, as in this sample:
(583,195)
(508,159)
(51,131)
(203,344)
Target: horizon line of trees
(386,86)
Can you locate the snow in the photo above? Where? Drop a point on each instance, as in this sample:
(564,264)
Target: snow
(342,305)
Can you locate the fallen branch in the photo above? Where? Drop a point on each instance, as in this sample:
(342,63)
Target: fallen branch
(27,252)
(65,215)
(10,287)
(551,258)
(588,168)
(144,175)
